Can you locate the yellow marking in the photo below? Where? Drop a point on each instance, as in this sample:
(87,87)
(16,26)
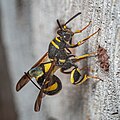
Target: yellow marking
(86,55)
(36,77)
(83,80)
(52,87)
(61,60)
(87,77)
(55,44)
(85,39)
(47,67)
(72,76)
(78,31)
(79,42)
(78,70)
(51,59)
(57,39)
(65,27)
(83,56)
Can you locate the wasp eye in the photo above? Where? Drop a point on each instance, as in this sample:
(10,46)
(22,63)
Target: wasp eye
(67,37)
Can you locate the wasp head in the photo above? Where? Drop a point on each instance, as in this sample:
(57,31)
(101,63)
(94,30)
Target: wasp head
(64,32)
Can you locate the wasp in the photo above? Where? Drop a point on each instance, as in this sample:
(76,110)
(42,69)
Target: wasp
(59,56)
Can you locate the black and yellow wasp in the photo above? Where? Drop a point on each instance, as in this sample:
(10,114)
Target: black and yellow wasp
(59,56)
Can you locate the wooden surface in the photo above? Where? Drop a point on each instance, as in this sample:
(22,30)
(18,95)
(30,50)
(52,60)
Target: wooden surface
(7,106)
(28,28)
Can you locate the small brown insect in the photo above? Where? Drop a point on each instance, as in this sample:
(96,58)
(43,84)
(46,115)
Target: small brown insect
(103,58)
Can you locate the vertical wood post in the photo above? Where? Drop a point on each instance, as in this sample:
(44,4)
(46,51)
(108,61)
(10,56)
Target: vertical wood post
(30,33)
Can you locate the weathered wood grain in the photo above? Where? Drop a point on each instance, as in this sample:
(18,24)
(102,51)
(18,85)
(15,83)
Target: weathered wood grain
(29,26)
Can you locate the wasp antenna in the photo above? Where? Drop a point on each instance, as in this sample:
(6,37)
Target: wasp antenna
(31,80)
(72,18)
(59,24)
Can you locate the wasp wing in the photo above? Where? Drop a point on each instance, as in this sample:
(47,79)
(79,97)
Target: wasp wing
(38,101)
(43,59)
(22,82)
(24,79)
(39,98)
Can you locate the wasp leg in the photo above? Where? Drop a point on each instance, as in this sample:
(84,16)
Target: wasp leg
(69,72)
(77,79)
(79,31)
(82,41)
(85,77)
(69,52)
(70,56)
(65,72)
(75,75)
(68,65)
(77,58)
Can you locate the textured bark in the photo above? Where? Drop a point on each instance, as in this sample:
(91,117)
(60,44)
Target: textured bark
(29,26)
